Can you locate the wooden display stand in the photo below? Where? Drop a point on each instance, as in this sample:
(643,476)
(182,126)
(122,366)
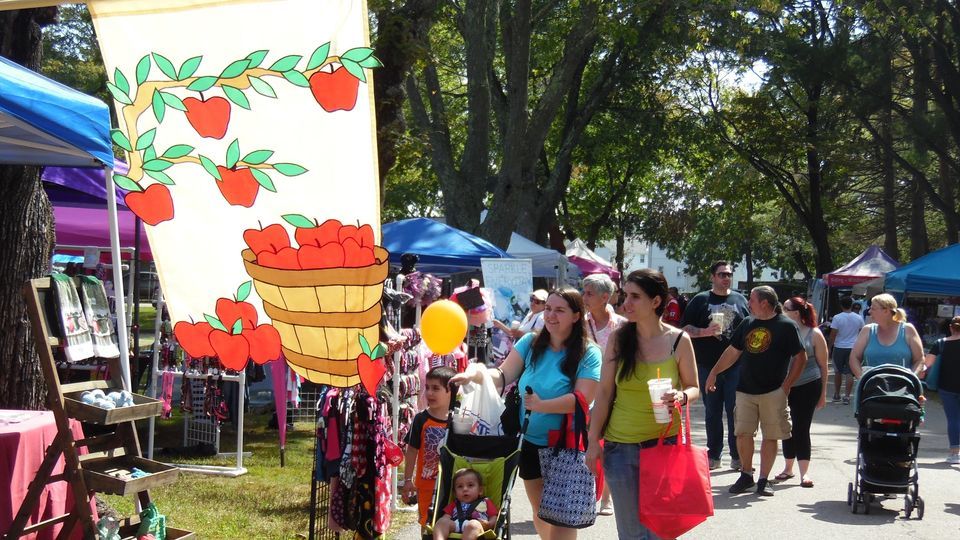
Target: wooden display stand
(108,459)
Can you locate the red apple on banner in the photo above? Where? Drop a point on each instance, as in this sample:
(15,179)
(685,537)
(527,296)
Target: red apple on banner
(335,91)
(264,343)
(272,239)
(228,311)
(329,256)
(238,187)
(320,235)
(232,349)
(153,205)
(285,259)
(194,338)
(209,117)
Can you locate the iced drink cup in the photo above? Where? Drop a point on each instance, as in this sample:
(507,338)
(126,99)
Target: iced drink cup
(719,319)
(659,387)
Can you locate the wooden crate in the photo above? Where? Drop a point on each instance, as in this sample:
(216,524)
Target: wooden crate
(101,474)
(130,526)
(143,407)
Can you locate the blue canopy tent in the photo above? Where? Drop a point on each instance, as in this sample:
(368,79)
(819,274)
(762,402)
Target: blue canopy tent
(934,274)
(45,123)
(441,249)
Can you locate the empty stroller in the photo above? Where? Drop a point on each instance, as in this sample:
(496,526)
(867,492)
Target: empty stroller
(888,413)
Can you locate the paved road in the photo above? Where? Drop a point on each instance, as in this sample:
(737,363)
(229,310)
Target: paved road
(820,512)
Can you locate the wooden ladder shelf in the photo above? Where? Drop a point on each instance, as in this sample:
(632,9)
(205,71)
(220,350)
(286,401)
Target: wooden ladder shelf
(106,458)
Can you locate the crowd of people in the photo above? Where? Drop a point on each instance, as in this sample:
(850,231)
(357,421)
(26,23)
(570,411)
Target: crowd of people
(761,362)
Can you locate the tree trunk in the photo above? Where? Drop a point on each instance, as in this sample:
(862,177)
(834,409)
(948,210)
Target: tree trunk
(889,174)
(948,188)
(26,229)
(748,257)
(919,241)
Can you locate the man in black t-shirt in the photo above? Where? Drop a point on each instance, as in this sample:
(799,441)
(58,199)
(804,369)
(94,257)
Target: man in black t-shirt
(763,344)
(710,318)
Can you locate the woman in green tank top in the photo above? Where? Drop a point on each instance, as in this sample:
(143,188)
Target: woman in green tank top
(645,348)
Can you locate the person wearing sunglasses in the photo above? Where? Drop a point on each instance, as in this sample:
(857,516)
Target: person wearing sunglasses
(709,319)
(533,320)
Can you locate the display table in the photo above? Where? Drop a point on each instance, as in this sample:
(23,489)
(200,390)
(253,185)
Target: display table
(24,438)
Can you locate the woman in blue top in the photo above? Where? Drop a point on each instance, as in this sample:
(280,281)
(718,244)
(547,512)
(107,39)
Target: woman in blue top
(553,363)
(890,339)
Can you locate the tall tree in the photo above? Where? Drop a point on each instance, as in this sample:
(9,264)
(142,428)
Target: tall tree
(26,228)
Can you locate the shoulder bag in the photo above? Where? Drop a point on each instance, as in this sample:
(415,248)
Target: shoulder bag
(569,488)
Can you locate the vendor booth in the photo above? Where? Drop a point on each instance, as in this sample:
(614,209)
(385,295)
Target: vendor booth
(589,262)
(929,289)
(547,263)
(442,249)
(869,265)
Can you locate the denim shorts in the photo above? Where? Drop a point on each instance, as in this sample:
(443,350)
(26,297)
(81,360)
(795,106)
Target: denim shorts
(621,468)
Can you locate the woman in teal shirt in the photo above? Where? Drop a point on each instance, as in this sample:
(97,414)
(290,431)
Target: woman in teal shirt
(890,339)
(553,363)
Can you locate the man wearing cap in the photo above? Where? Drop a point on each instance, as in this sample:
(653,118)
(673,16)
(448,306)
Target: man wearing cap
(763,346)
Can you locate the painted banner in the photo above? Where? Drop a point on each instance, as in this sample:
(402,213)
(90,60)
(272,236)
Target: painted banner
(511,281)
(249,130)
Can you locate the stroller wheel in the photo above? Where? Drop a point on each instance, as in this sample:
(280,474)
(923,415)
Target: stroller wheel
(855,505)
(908,505)
(866,503)
(849,493)
(919,508)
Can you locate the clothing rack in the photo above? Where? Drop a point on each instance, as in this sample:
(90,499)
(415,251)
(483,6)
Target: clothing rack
(92,464)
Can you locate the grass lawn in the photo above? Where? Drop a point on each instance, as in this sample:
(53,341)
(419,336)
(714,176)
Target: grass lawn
(267,502)
(148,318)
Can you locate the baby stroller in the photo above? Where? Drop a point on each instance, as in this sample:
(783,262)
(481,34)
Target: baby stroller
(888,413)
(495,457)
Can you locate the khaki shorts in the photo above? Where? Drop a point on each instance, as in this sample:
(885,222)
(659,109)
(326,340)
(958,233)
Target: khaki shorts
(768,411)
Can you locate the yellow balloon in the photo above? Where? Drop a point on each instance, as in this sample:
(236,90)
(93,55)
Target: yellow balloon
(443,326)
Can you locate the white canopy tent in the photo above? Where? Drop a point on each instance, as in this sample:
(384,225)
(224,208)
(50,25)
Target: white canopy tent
(547,263)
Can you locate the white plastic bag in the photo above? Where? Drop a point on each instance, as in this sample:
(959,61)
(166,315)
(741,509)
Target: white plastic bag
(482,403)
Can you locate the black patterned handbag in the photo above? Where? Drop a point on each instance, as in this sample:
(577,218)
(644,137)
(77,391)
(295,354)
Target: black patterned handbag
(569,488)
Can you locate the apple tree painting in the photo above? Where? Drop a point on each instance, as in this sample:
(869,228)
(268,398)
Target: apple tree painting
(253,162)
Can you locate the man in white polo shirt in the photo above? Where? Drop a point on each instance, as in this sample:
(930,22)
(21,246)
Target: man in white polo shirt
(844,329)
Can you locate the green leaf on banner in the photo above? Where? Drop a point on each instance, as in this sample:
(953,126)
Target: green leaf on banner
(120,139)
(165,66)
(215,322)
(364,346)
(119,94)
(237,327)
(177,151)
(358,54)
(189,67)
(354,69)
(264,180)
(234,69)
(371,62)
(256,58)
(210,167)
(300,221)
(233,154)
(146,138)
(286,63)
(243,291)
(289,169)
(319,56)
(257,157)
(143,69)
(159,108)
(202,84)
(150,153)
(296,78)
(125,182)
(235,95)
(121,81)
(262,87)
(378,351)
(173,101)
(157,165)
(161,177)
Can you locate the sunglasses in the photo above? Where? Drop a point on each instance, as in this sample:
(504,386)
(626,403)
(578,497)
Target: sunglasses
(724,274)
(535,301)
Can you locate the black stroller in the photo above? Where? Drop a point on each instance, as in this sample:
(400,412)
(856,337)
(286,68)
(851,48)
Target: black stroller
(888,413)
(495,457)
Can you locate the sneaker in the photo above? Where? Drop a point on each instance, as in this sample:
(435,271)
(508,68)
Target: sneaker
(846,400)
(743,484)
(763,488)
(953,459)
(735,464)
(714,464)
(836,399)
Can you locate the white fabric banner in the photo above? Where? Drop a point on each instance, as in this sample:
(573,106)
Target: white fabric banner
(249,128)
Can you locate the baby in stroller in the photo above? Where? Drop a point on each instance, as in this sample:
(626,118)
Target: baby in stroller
(470,513)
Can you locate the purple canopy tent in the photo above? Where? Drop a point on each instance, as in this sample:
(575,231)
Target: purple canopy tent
(871,264)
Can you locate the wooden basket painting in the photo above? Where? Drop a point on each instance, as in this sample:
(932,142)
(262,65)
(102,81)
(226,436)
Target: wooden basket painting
(321,314)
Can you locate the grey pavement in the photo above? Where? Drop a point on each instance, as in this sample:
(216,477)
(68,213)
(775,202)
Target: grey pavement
(818,512)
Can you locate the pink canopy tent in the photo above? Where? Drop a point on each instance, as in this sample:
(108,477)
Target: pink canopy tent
(869,265)
(83,226)
(589,262)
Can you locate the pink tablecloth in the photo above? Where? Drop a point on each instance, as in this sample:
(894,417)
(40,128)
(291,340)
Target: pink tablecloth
(24,438)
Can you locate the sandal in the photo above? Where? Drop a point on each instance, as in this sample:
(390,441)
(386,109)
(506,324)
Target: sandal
(806,482)
(783,477)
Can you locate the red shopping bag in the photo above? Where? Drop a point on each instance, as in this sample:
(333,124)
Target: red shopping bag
(675,493)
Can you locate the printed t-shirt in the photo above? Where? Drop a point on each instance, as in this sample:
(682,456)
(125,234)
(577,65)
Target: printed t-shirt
(548,381)
(766,347)
(709,349)
(847,325)
(426,433)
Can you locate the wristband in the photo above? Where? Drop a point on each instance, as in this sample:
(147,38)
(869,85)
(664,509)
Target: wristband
(503,380)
